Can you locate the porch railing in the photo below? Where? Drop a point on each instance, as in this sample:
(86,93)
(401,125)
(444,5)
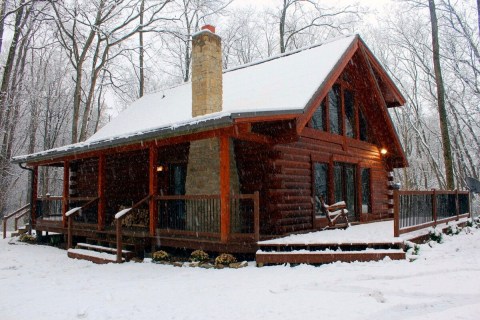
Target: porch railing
(415,210)
(199,215)
(49,208)
(16,215)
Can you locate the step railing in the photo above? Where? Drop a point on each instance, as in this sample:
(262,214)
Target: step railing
(415,210)
(119,217)
(70,214)
(17,215)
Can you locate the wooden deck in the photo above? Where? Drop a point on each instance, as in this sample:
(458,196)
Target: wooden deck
(319,253)
(140,239)
(363,242)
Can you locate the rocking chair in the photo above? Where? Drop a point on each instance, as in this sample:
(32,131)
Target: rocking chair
(333,212)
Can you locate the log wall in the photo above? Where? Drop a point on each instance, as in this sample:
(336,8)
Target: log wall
(290,206)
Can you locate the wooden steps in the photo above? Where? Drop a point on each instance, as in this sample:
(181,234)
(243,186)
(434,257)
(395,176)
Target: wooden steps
(98,254)
(319,253)
(20,231)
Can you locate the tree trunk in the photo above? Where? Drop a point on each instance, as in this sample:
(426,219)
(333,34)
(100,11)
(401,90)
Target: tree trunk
(282,26)
(478,16)
(7,72)
(3,5)
(447,152)
(140,34)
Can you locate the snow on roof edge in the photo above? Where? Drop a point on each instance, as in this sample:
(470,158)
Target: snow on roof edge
(289,53)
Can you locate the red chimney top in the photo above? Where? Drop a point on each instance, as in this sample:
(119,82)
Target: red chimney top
(209,27)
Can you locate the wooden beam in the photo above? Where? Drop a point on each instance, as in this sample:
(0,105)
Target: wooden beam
(66,191)
(101,191)
(224,188)
(153,187)
(377,93)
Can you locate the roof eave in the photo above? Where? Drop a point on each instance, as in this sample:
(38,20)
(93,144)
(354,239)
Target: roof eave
(160,133)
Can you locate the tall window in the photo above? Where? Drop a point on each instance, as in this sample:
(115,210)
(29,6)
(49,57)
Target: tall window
(364,134)
(318,119)
(320,171)
(344,184)
(366,192)
(335,110)
(350,123)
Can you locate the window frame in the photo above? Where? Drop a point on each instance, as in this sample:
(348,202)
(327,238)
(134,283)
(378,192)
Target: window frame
(344,85)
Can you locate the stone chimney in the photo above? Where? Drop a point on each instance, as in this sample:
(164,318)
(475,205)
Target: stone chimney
(203,169)
(206,72)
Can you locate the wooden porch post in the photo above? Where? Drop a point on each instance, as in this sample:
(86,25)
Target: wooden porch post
(66,191)
(34,196)
(224,188)
(396,213)
(101,192)
(153,186)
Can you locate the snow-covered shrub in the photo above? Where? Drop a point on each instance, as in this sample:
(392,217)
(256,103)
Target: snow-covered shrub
(412,248)
(473,222)
(453,230)
(160,256)
(225,259)
(435,235)
(199,256)
(28,238)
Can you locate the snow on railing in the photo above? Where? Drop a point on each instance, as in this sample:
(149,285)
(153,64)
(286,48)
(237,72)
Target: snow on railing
(73,211)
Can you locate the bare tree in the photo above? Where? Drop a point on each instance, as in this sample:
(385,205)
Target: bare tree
(192,14)
(442,111)
(300,18)
(89,32)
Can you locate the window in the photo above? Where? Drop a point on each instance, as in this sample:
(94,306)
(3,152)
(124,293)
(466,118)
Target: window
(318,119)
(335,110)
(350,124)
(345,186)
(320,171)
(366,193)
(364,135)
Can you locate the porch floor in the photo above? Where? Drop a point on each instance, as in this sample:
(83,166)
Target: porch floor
(375,232)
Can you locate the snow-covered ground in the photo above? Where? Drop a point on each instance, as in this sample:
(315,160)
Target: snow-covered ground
(39,282)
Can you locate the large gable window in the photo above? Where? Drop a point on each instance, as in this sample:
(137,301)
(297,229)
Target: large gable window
(350,124)
(335,110)
(341,113)
(364,134)
(319,117)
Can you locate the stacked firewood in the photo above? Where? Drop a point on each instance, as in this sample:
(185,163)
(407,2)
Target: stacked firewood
(135,218)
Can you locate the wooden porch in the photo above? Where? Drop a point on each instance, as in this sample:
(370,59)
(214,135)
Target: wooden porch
(188,221)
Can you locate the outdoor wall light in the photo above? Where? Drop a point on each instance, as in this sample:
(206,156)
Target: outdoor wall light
(383,151)
(159,168)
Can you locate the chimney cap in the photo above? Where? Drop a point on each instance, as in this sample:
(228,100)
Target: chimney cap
(209,27)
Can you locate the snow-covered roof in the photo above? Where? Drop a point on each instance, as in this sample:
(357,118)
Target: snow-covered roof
(285,82)
(281,84)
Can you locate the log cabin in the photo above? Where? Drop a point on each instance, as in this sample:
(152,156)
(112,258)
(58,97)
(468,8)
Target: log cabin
(235,155)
